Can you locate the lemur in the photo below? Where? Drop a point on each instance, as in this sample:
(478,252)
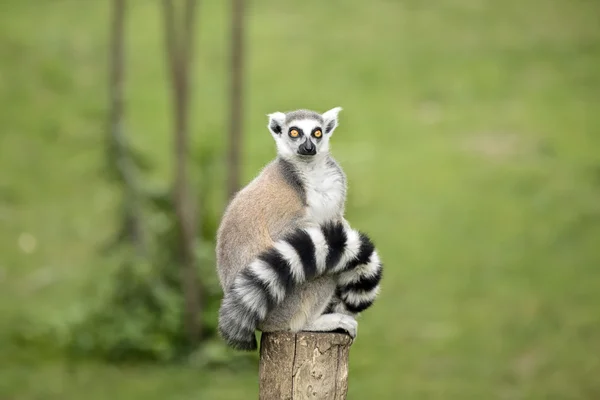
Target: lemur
(287,259)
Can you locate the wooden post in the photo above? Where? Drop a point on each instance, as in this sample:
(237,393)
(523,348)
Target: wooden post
(304,365)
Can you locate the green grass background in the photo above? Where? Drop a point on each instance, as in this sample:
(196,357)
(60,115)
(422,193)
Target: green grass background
(470,136)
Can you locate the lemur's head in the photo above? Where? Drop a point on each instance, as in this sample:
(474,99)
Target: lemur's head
(303,134)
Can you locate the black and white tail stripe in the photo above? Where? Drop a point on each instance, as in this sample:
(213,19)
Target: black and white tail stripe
(358,285)
(293,260)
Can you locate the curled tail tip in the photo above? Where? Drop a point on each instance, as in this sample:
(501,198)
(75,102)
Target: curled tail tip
(235,326)
(243,345)
(251,345)
(243,342)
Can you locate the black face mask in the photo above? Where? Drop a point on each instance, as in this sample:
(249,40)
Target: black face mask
(307,148)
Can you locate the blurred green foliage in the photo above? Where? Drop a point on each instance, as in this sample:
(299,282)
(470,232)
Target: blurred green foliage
(470,137)
(139,314)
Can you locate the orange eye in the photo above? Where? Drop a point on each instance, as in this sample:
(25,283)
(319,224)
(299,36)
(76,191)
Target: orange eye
(294,133)
(317,133)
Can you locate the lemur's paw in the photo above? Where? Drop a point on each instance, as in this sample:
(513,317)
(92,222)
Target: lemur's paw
(348,325)
(335,322)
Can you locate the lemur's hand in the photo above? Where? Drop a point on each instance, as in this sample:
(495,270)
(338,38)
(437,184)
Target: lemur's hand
(334,323)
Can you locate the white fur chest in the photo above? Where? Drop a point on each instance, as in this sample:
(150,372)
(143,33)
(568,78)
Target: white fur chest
(325,191)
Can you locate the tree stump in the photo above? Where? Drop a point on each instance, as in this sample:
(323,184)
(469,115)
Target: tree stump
(304,365)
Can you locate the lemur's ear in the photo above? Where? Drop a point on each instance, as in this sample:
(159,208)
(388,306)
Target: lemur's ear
(331,119)
(276,121)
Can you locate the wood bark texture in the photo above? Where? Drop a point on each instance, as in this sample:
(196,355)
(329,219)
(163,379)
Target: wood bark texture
(304,365)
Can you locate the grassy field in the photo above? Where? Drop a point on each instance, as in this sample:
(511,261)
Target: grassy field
(470,135)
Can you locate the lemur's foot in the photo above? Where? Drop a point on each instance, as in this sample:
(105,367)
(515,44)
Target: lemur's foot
(334,322)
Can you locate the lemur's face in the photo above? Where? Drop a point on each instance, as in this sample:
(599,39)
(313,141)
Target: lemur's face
(303,134)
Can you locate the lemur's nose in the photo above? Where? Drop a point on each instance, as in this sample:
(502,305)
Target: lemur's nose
(308,148)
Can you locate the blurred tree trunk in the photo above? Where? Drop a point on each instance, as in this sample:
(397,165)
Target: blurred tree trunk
(237,110)
(179,54)
(120,149)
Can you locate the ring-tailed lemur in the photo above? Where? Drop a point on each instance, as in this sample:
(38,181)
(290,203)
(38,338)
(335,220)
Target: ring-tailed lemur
(286,257)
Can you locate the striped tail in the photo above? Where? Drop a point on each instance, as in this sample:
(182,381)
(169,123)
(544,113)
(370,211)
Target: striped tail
(358,285)
(295,259)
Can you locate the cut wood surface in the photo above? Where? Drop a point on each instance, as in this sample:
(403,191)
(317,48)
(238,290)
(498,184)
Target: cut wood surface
(304,365)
